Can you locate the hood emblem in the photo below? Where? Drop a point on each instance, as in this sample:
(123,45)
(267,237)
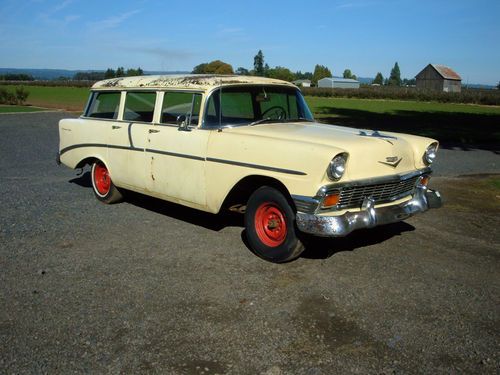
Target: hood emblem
(376,134)
(391,161)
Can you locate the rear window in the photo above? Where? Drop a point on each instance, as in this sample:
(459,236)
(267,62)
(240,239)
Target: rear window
(139,106)
(104,105)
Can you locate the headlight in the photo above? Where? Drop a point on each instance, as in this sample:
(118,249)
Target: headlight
(430,154)
(336,168)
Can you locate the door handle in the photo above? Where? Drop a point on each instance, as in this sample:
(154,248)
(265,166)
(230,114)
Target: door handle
(115,127)
(153,131)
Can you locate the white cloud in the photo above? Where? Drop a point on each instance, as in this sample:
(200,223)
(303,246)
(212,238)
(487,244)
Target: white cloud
(113,21)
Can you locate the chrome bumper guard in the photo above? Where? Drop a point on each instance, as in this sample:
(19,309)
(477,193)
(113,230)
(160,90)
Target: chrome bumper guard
(369,216)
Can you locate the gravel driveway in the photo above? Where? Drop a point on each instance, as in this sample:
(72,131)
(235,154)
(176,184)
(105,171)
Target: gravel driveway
(151,287)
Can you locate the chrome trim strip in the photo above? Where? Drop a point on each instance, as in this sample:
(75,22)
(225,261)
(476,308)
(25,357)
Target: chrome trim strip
(256,166)
(377,180)
(185,156)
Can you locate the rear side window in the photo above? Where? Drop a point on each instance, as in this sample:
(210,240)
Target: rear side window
(177,104)
(104,105)
(139,106)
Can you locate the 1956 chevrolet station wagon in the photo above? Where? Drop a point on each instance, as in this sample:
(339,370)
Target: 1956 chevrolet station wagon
(250,145)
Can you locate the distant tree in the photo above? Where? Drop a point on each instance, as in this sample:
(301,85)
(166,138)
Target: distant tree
(200,69)
(258,64)
(354,76)
(305,75)
(214,67)
(242,71)
(320,72)
(109,73)
(498,86)
(134,72)
(120,72)
(219,67)
(88,76)
(347,73)
(409,82)
(16,77)
(282,73)
(395,76)
(379,79)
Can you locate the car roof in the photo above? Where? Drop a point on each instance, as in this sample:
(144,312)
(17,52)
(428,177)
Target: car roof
(202,82)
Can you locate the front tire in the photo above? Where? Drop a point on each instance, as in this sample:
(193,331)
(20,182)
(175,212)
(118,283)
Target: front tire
(270,226)
(103,187)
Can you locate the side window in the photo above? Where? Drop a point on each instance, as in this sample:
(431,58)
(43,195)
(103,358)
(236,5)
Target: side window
(104,105)
(139,106)
(177,104)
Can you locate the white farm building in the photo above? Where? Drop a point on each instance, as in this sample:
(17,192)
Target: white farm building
(338,83)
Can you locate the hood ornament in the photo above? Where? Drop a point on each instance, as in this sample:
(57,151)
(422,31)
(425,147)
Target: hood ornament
(391,161)
(376,134)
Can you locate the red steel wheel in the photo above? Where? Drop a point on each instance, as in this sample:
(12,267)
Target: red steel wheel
(103,186)
(270,224)
(101,179)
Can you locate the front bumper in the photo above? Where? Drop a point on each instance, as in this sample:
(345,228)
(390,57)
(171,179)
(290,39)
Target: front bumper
(369,216)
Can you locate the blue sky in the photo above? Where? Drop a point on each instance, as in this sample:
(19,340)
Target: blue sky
(366,36)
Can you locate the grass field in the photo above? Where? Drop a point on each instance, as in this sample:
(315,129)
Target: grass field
(18,108)
(69,98)
(451,124)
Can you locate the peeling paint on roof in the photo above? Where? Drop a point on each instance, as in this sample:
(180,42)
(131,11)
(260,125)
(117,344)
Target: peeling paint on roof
(445,72)
(191,81)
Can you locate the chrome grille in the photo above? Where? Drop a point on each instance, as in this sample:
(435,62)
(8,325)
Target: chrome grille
(353,196)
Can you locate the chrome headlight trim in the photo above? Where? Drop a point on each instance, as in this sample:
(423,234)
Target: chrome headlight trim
(430,153)
(336,168)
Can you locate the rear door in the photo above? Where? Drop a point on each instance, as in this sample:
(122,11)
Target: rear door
(176,158)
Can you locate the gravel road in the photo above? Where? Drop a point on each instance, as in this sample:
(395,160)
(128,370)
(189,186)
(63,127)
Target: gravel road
(150,287)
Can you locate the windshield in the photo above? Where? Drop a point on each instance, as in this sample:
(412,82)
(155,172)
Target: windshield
(252,105)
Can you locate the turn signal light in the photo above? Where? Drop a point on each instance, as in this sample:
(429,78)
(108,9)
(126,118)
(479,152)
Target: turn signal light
(331,200)
(424,180)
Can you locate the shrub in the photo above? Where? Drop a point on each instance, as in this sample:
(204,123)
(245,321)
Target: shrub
(21,94)
(6,97)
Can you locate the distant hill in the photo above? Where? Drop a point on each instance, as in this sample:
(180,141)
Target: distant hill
(48,74)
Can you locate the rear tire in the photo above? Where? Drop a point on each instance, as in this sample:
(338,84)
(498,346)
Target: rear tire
(103,186)
(270,226)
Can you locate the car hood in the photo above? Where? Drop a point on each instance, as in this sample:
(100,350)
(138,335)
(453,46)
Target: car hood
(371,153)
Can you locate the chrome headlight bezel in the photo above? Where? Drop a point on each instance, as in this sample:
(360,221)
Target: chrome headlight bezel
(430,153)
(336,168)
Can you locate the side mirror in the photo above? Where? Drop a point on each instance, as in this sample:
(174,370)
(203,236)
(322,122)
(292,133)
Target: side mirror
(182,123)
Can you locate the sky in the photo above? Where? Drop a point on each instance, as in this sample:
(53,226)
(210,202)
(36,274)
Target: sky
(365,36)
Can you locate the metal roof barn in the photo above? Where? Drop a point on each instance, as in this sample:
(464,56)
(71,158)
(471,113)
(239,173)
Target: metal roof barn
(338,83)
(439,78)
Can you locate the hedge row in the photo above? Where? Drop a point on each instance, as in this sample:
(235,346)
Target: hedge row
(470,96)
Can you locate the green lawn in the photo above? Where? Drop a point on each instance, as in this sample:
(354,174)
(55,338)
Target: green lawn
(18,108)
(451,124)
(69,98)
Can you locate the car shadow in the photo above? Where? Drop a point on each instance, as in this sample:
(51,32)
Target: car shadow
(324,247)
(315,247)
(82,180)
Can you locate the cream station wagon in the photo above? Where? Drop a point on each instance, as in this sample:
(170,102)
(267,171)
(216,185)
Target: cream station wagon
(250,145)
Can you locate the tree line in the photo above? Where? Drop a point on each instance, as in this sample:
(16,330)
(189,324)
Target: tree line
(109,73)
(262,69)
